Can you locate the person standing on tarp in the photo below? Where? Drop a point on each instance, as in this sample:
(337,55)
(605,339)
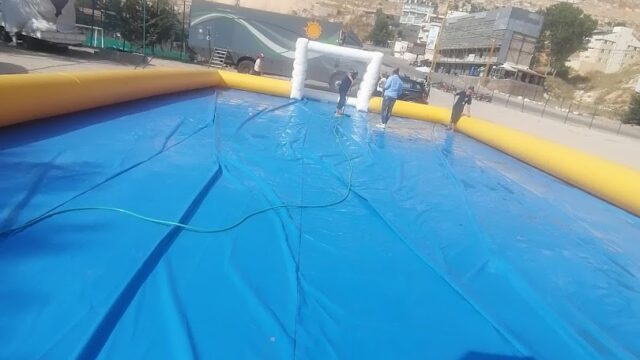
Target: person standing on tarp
(462,100)
(392,90)
(343,89)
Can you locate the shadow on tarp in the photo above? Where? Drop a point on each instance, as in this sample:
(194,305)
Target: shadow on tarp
(42,129)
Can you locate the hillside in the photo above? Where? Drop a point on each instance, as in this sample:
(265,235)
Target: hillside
(283,6)
(606,11)
(612,93)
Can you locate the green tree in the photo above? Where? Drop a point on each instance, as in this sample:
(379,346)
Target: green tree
(633,113)
(566,30)
(161,22)
(381,33)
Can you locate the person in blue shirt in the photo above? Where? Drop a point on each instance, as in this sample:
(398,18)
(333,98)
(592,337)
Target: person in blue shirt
(392,90)
(345,85)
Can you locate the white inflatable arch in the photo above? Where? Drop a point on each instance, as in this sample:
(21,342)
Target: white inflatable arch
(369,80)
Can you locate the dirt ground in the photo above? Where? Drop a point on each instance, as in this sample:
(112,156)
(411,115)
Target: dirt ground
(617,148)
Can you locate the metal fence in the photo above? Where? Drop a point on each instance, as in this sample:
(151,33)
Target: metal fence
(103,31)
(532,99)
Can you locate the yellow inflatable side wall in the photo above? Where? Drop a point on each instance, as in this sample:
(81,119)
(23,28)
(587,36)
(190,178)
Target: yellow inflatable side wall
(29,97)
(252,83)
(35,96)
(414,111)
(607,180)
(614,183)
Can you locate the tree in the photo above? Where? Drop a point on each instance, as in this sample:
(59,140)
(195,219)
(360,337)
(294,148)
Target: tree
(161,22)
(381,33)
(566,30)
(633,113)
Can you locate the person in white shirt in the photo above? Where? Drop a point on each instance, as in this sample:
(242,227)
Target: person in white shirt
(381,83)
(257,67)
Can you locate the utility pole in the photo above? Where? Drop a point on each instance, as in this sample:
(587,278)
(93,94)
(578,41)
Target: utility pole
(486,67)
(93,19)
(184,13)
(144,26)
(436,48)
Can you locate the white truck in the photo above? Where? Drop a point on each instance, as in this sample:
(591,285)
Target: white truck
(30,22)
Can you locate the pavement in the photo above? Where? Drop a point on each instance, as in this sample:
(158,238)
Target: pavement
(618,148)
(16,60)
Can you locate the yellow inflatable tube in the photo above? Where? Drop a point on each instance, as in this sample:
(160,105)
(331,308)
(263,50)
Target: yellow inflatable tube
(414,111)
(256,84)
(29,97)
(609,181)
(36,96)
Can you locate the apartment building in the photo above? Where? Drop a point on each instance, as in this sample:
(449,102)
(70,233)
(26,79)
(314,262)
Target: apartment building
(609,51)
(414,12)
(503,36)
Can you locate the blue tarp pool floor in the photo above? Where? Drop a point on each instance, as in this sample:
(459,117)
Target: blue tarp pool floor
(418,243)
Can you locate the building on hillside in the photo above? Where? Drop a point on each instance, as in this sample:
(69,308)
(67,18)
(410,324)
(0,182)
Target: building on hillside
(504,39)
(414,12)
(430,29)
(608,51)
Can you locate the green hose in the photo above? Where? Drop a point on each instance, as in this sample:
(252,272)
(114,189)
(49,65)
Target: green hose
(195,228)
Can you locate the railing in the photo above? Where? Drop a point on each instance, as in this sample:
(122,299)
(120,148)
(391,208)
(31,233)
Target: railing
(532,99)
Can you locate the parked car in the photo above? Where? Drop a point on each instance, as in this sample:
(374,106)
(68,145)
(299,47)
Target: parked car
(412,90)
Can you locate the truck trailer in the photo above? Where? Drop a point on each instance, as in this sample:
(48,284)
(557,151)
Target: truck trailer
(239,34)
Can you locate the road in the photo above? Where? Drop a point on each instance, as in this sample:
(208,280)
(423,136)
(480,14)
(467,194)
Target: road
(565,116)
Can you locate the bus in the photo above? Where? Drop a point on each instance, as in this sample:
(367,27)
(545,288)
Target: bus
(242,33)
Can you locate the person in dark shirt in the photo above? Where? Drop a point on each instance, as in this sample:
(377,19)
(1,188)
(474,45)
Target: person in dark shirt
(427,89)
(344,88)
(462,100)
(342,37)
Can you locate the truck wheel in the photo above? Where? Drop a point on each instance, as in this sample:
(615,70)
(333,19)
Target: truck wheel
(336,79)
(5,36)
(245,66)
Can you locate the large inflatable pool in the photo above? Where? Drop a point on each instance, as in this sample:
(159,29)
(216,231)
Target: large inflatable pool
(233,225)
